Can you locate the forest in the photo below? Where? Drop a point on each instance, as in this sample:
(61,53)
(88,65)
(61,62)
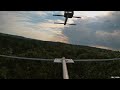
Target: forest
(24,69)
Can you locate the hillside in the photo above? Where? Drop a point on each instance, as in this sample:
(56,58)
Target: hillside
(24,69)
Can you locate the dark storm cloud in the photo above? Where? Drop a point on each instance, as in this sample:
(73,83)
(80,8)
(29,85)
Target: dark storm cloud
(100,31)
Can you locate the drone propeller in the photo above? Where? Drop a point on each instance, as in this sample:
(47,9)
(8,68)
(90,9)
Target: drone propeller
(71,24)
(76,17)
(63,23)
(58,23)
(58,15)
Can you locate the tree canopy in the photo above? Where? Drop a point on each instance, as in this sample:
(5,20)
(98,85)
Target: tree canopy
(25,69)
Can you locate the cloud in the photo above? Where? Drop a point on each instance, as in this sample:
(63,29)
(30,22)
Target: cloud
(31,24)
(101,31)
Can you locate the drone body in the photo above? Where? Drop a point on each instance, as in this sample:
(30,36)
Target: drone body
(67,14)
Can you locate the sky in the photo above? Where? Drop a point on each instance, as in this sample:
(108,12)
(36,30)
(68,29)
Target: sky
(96,28)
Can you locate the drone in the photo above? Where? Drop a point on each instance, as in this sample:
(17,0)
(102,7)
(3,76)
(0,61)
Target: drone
(67,14)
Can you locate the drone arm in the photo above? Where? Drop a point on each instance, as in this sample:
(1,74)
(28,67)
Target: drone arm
(66,20)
